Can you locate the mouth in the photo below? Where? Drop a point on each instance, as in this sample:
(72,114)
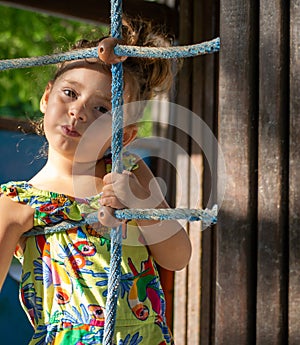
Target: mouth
(70,131)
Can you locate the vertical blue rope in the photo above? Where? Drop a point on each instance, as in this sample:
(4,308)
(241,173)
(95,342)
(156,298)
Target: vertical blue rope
(116,147)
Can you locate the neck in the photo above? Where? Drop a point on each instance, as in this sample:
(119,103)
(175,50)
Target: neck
(62,166)
(62,174)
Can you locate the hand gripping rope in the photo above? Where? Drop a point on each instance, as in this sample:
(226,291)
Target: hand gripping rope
(111,52)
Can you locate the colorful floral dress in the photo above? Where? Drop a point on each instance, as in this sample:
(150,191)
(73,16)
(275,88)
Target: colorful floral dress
(65,275)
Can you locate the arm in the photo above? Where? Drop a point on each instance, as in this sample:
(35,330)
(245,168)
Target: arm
(15,219)
(167,240)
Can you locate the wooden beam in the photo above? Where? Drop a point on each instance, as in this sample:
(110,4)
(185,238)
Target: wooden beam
(99,12)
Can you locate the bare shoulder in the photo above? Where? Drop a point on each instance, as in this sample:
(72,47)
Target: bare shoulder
(15,214)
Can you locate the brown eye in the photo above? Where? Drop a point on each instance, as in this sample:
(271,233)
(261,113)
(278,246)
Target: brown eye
(70,93)
(102,110)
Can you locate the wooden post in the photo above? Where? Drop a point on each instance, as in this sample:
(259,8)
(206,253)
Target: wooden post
(205,76)
(272,259)
(184,100)
(294,179)
(236,236)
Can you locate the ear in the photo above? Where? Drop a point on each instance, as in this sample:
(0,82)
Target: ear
(45,97)
(129,134)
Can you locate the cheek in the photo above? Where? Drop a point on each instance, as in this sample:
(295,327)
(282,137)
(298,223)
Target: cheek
(48,123)
(50,115)
(96,139)
(46,126)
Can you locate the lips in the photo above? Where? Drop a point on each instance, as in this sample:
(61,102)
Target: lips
(70,131)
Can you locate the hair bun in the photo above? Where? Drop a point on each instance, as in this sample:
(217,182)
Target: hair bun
(154,75)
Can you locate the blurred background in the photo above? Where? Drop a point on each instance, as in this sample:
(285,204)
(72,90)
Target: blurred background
(24,34)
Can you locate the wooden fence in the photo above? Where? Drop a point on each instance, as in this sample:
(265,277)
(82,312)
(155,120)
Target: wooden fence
(246,289)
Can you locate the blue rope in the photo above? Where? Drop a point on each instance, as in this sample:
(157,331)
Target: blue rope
(209,47)
(208,218)
(116,148)
(212,46)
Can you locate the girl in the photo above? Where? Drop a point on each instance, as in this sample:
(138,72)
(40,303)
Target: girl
(64,279)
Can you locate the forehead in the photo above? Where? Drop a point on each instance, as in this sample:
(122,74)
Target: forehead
(92,74)
(82,72)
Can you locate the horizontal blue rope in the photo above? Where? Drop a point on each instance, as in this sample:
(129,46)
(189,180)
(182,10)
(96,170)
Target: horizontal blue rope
(212,46)
(121,50)
(207,216)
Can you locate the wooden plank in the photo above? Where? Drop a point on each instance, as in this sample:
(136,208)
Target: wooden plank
(184,100)
(194,269)
(294,182)
(196,193)
(15,125)
(205,70)
(95,12)
(272,176)
(206,18)
(236,235)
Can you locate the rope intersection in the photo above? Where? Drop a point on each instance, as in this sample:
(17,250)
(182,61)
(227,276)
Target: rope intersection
(208,217)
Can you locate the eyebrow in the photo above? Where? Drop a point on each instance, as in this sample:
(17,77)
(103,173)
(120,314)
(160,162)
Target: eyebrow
(72,82)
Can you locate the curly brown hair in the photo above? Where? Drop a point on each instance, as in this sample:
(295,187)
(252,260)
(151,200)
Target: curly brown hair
(147,77)
(153,76)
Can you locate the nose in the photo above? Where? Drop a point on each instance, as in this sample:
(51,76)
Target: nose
(78,112)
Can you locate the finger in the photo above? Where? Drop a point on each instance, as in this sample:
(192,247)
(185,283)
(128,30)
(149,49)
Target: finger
(111,196)
(107,190)
(112,202)
(110,192)
(107,200)
(110,178)
(129,173)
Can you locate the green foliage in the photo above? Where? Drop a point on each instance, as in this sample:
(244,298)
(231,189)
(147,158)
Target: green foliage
(27,34)
(145,125)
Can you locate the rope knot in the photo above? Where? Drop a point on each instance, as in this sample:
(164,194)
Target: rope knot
(106,51)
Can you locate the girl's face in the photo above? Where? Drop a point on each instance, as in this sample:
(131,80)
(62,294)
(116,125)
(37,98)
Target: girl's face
(77,119)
